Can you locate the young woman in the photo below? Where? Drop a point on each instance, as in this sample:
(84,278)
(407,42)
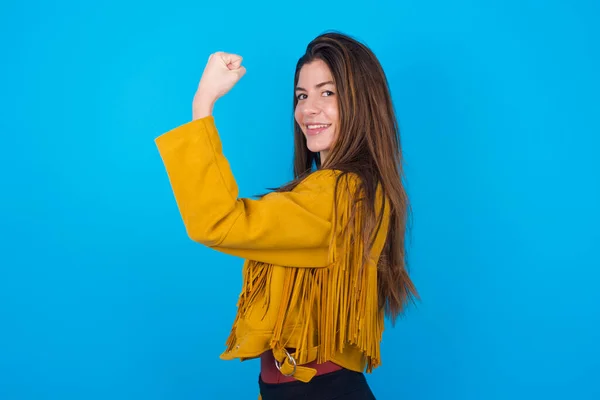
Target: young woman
(324,254)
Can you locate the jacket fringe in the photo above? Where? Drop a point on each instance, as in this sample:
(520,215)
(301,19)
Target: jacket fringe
(341,299)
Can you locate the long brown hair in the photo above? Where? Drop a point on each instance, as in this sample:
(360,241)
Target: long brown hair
(368,145)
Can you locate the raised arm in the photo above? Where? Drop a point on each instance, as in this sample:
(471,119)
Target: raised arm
(291,229)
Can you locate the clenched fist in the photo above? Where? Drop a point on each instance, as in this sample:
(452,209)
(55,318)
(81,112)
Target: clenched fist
(222,72)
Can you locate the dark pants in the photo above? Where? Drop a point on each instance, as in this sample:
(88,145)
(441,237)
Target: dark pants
(339,385)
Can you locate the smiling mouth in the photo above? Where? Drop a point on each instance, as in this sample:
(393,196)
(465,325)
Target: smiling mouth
(315,129)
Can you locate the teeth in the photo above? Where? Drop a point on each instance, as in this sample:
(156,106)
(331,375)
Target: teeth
(316,126)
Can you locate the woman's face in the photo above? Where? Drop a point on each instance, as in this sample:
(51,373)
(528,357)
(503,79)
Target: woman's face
(317,109)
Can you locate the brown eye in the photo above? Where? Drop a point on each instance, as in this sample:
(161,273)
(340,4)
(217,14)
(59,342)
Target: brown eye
(328,91)
(298,96)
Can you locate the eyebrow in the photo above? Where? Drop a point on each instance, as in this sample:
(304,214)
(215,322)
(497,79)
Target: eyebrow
(317,86)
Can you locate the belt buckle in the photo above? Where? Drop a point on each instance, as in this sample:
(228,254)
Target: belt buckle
(292,361)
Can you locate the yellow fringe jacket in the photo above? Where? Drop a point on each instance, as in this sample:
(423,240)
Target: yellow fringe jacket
(303,287)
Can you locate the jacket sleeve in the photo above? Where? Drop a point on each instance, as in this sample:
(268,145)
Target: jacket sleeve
(289,229)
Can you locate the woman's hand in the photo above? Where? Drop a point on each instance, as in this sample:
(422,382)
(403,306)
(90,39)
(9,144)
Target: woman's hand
(222,72)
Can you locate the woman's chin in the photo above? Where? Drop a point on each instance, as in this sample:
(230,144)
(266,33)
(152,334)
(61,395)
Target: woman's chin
(316,148)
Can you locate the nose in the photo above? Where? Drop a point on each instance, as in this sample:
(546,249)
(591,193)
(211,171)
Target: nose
(310,107)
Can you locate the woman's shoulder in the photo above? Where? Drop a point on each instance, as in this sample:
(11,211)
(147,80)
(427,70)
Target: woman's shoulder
(331,177)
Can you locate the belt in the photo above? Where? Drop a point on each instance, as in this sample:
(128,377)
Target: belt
(270,368)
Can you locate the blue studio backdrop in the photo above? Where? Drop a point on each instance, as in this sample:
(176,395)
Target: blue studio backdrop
(103,296)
